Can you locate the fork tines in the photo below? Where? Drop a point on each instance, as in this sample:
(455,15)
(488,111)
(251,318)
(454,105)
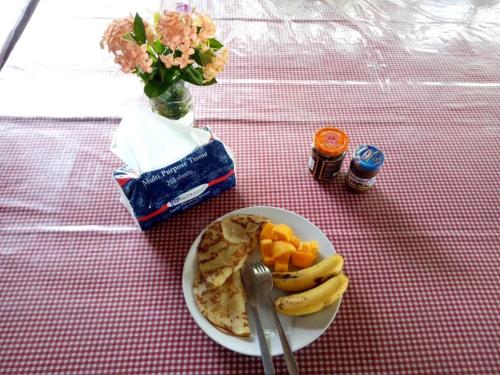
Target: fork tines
(259,266)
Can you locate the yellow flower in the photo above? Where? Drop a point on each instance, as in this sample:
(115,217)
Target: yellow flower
(215,66)
(207,27)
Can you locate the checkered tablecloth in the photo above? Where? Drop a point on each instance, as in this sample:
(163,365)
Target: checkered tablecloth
(82,290)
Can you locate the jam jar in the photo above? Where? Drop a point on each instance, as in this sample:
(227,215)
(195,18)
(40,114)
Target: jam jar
(327,153)
(365,165)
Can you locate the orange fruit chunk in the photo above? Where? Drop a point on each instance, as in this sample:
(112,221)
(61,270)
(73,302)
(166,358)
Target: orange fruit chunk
(304,247)
(267,232)
(314,246)
(266,247)
(281,262)
(302,259)
(283,232)
(295,241)
(282,247)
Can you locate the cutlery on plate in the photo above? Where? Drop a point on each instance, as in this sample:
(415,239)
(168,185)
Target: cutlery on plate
(249,281)
(264,281)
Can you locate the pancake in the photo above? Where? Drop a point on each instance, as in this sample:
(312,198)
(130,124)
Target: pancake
(223,306)
(253,225)
(225,246)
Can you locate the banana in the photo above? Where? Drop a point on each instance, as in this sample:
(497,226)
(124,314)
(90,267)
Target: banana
(313,300)
(310,277)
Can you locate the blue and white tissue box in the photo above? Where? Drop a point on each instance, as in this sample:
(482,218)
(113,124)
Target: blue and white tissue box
(168,167)
(157,195)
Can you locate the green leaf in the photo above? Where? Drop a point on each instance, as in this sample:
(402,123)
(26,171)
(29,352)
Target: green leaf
(139,30)
(153,89)
(156,18)
(215,44)
(158,47)
(195,76)
(203,58)
(169,76)
(144,76)
(192,75)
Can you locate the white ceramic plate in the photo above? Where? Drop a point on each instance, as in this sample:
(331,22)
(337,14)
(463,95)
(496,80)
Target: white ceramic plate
(301,331)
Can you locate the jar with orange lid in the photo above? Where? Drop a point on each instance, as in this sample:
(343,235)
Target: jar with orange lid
(327,153)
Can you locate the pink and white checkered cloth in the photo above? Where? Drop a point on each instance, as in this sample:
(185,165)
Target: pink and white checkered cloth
(83,291)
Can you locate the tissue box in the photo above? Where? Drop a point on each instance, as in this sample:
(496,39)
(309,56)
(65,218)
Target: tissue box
(156,195)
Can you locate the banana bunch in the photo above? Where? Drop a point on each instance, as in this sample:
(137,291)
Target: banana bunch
(310,277)
(320,286)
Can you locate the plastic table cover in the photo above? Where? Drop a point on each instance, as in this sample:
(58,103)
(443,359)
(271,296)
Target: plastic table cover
(83,290)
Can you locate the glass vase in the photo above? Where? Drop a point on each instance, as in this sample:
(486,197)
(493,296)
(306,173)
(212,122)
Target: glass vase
(175,104)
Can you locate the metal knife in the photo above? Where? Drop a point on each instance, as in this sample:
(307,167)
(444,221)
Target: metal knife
(249,283)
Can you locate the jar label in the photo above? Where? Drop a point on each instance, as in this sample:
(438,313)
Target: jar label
(311,163)
(329,169)
(358,182)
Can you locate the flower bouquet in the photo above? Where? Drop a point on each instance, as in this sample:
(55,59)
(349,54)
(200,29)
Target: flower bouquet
(179,47)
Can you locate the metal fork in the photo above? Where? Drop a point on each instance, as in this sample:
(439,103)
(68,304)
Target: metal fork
(249,281)
(264,279)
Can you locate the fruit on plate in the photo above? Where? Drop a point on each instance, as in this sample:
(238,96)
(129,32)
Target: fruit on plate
(283,232)
(313,300)
(267,231)
(281,262)
(279,247)
(307,278)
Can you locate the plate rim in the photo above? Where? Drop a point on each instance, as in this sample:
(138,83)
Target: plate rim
(187,289)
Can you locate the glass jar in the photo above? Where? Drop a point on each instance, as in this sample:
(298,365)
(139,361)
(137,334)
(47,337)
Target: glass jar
(364,167)
(175,104)
(327,153)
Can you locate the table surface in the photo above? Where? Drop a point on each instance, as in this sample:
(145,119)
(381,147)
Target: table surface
(83,290)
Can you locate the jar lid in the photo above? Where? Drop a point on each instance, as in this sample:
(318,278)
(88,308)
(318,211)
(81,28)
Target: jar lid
(368,157)
(331,141)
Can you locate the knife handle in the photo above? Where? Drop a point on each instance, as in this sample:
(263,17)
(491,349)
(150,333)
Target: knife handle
(291,363)
(267,361)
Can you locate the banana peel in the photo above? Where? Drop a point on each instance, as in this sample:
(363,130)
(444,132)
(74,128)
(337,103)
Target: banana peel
(313,300)
(307,278)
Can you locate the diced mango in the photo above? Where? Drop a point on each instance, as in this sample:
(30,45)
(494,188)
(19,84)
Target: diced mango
(281,262)
(266,247)
(268,261)
(314,246)
(282,247)
(295,241)
(304,247)
(283,232)
(267,232)
(302,259)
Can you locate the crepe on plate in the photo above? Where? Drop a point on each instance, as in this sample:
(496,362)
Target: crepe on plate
(223,306)
(225,246)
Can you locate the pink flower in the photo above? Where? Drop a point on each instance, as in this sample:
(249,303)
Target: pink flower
(168,60)
(181,61)
(178,32)
(128,54)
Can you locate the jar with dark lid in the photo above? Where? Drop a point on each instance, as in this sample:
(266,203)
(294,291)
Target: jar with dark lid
(364,167)
(327,153)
